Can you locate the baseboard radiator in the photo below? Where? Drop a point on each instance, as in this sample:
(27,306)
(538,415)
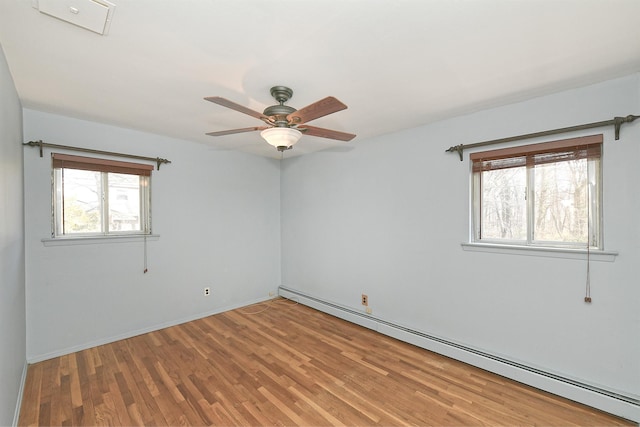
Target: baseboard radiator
(609,401)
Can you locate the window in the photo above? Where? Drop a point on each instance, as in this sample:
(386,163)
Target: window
(100,197)
(545,194)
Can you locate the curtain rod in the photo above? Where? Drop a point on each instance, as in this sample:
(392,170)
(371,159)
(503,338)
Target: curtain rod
(41,144)
(617,122)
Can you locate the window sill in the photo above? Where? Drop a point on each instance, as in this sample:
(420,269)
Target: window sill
(594,255)
(91,240)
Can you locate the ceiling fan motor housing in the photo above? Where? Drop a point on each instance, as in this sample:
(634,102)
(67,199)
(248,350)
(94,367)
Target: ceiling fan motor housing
(278,111)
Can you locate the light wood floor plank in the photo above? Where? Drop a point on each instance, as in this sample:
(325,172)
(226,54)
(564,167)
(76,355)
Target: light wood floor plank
(277,364)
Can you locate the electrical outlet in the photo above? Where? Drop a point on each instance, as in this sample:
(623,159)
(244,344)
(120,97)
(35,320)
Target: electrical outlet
(207,292)
(365,300)
(272,294)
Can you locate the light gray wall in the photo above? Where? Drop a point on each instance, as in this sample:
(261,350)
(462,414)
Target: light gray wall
(12,281)
(218,217)
(387,219)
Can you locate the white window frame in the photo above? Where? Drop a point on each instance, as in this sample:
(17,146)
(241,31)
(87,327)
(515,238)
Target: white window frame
(595,196)
(105,167)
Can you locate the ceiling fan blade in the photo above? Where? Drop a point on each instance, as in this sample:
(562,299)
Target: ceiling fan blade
(316,110)
(232,131)
(326,133)
(230,104)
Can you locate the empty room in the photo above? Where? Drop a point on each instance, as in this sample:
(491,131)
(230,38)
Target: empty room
(319,212)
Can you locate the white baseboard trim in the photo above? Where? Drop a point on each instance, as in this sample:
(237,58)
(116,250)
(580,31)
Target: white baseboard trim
(23,379)
(35,358)
(597,397)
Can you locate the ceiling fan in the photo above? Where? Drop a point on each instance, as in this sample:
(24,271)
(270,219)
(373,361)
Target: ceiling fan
(285,124)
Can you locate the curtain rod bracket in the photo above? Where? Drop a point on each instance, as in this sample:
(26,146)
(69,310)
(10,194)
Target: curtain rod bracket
(160,161)
(459,148)
(37,143)
(617,122)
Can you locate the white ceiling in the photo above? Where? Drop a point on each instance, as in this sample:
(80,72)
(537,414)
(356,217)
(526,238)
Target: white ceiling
(395,63)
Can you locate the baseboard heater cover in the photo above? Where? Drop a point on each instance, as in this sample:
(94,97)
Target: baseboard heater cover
(597,397)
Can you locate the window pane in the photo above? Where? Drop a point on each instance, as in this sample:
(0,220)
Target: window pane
(124,202)
(503,204)
(82,201)
(560,202)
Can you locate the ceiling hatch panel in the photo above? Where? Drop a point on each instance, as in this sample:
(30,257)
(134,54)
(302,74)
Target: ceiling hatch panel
(93,15)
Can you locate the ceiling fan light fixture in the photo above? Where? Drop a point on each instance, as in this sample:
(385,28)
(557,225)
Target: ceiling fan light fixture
(281,137)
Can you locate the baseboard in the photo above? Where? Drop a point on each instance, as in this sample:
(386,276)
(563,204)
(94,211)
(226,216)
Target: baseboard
(68,350)
(23,379)
(598,397)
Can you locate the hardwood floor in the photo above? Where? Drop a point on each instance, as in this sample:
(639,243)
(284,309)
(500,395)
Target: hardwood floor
(276,364)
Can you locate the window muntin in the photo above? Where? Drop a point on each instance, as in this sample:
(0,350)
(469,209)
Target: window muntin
(93,197)
(541,195)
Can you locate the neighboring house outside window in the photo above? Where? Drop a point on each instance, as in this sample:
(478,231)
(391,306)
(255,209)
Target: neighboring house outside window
(94,197)
(547,194)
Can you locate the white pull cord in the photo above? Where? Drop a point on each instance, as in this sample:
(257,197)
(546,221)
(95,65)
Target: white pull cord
(145,255)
